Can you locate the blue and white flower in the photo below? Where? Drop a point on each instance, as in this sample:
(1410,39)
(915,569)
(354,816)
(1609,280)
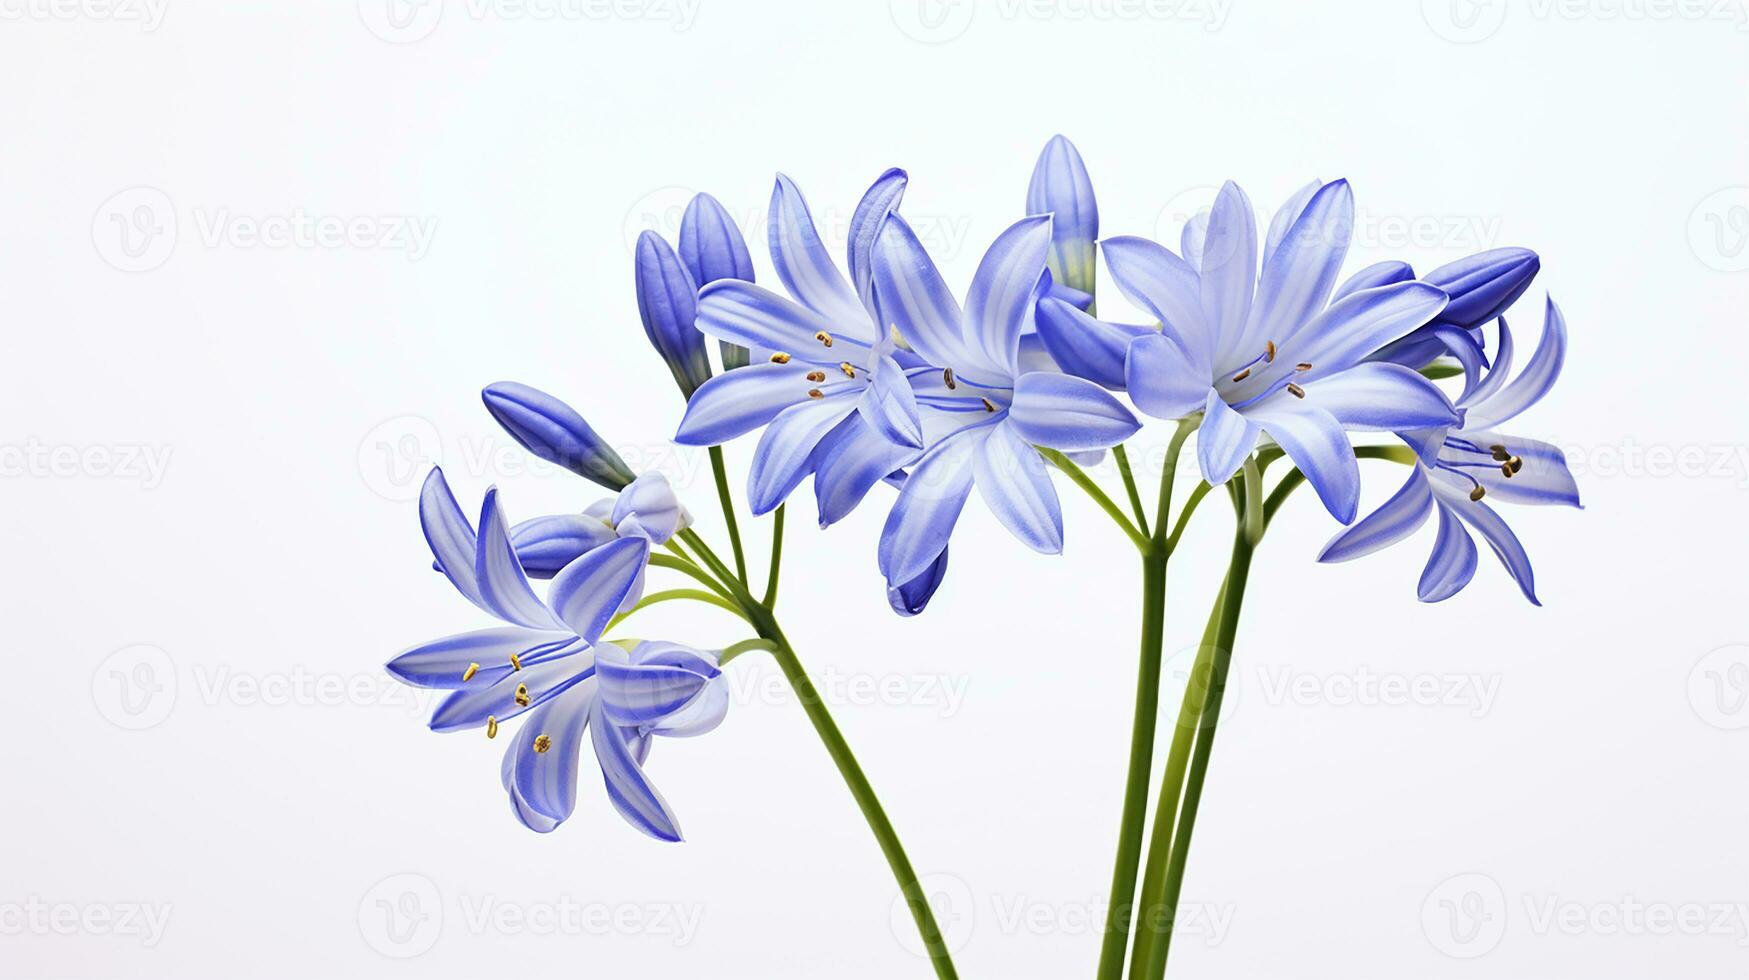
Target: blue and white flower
(549,662)
(1461,468)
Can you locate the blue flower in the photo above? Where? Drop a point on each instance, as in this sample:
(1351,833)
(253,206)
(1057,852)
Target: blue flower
(1480,287)
(550,663)
(668,304)
(983,413)
(711,248)
(826,386)
(1271,353)
(1459,468)
(1061,188)
(555,432)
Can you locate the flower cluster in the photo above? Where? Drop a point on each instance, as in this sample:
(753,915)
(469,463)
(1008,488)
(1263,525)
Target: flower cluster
(878,372)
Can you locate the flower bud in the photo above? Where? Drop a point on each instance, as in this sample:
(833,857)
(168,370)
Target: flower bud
(668,303)
(1483,285)
(711,248)
(1060,187)
(554,431)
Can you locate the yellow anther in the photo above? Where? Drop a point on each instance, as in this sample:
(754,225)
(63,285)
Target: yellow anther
(780,358)
(491,727)
(468,675)
(542,743)
(1516,463)
(516,661)
(849,371)
(1295,390)
(522,695)
(1478,493)
(824,338)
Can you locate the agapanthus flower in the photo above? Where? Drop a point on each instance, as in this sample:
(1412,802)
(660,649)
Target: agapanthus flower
(1480,287)
(1269,353)
(550,663)
(1460,469)
(827,387)
(983,413)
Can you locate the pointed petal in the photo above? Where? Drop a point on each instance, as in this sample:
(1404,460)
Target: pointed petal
(852,459)
(786,451)
(1496,377)
(546,544)
(1396,519)
(804,265)
(441,663)
(1284,219)
(888,403)
(911,295)
(755,317)
(1000,299)
(1165,285)
(1533,383)
(543,781)
(1314,440)
(1162,380)
(711,246)
(1061,188)
(1084,346)
(911,598)
(632,793)
(881,198)
(1224,440)
(1068,413)
(922,519)
(1373,276)
(1193,238)
(1229,273)
(449,535)
(504,587)
(1346,332)
(587,592)
(1453,562)
(738,402)
(1488,523)
(1544,478)
(1012,479)
(1297,280)
(1380,397)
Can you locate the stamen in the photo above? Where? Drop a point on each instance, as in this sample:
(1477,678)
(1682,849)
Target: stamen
(989,406)
(816,376)
(1242,375)
(491,727)
(468,675)
(1497,449)
(849,372)
(1269,352)
(1303,366)
(947,377)
(816,393)
(780,358)
(522,698)
(1499,453)
(515,661)
(1478,493)
(1506,470)
(1516,463)
(1295,390)
(542,743)
(824,338)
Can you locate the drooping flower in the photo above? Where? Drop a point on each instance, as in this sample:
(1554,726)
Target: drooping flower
(555,432)
(711,248)
(828,389)
(983,413)
(1269,353)
(1460,469)
(550,662)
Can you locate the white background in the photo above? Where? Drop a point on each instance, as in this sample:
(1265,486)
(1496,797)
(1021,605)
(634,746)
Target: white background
(211,441)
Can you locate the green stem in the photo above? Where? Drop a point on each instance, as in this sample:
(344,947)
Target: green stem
(1085,482)
(872,811)
(722,474)
(1129,485)
(682,565)
(734,650)
(669,595)
(770,600)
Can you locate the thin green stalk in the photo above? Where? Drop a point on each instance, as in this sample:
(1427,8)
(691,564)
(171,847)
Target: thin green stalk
(669,595)
(1201,491)
(1085,482)
(709,558)
(1129,485)
(722,474)
(682,565)
(734,650)
(770,600)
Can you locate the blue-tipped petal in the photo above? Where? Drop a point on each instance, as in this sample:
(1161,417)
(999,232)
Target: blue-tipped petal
(1228,275)
(1224,439)
(449,535)
(1068,413)
(1346,332)
(546,544)
(756,317)
(1483,285)
(804,265)
(638,693)
(785,455)
(1162,379)
(711,246)
(553,431)
(1467,348)
(1533,383)
(849,462)
(1314,440)
(1298,277)
(1496,377)
(1084,346)
(922,519)
(586,593)
(1453,562)
(632,793)
(542,779)
(1373,276)
(441,663)
(1379,397)
(1493,529)
(1165,285)
(651,500)
(1396,519)
(1285,218)
(736,403)
(911,598)
(912,296)
(1061,187)
(1012,479)
(668,304)
(1000,299)
(881,198)
(504,587)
